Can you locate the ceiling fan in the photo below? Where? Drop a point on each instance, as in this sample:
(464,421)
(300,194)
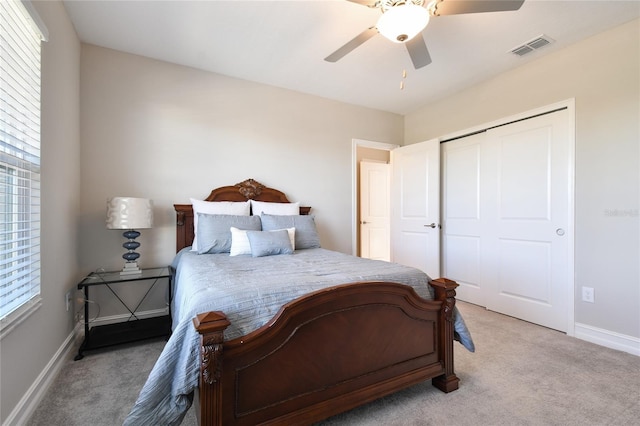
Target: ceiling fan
(402,21)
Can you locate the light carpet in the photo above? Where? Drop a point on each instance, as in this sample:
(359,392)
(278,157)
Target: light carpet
(520,374)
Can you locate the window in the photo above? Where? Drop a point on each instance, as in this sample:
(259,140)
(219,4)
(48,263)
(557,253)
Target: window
(20,38)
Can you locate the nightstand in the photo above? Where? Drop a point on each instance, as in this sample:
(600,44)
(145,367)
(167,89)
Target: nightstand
(134,328)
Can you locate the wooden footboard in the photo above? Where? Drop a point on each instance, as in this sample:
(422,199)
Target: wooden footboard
(326,353)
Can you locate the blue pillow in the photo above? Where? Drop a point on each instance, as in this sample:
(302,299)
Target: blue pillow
(268,243)
(214,230)
(306,232)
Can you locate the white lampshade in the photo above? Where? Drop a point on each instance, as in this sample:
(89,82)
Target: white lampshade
(403,22)
(129,213)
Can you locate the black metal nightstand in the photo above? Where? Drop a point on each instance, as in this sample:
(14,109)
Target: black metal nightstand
(132,329)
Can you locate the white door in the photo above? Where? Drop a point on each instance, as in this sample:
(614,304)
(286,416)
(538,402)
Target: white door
(507,218)
(375,181)
(415,206)
(527,204)
(462,225)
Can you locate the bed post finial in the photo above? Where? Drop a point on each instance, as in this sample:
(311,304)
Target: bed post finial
(250,188)
(211,326)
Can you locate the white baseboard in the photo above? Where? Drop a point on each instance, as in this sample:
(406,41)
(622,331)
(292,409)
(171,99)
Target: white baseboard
(609,339)
(125,317)
(34,395)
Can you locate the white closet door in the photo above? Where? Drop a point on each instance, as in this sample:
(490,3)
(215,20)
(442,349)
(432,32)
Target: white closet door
(526,200)
(506,216)
(462,230)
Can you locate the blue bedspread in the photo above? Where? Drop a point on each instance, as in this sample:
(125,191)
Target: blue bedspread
(250,291)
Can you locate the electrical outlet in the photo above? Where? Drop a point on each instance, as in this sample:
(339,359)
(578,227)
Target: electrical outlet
(588,294)
(67,300)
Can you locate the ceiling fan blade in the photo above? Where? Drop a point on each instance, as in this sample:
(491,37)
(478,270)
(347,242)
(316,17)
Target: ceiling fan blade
(418,52)
(456,7)
(368,3)
(351,45)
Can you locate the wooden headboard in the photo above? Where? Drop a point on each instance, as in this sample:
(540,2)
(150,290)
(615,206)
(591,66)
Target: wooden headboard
(243,191)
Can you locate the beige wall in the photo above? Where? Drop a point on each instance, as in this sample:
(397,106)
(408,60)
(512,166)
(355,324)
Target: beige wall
(603,75)
(167,132)
(26,351)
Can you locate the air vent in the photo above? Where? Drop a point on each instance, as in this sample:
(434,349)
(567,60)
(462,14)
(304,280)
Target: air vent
(532,45)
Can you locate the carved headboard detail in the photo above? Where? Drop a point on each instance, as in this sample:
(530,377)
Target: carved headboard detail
(246,190)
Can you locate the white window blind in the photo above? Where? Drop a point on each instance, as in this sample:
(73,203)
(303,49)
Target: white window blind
(20,40)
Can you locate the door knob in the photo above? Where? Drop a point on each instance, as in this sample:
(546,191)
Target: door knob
(364,222)
(433,225)
(560,231)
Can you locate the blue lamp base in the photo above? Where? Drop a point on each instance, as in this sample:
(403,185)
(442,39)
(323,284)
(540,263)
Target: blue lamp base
(131,266)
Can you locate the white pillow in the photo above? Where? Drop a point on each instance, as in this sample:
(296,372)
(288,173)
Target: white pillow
(280,209)
(292,237)
(236,208)
(240,242)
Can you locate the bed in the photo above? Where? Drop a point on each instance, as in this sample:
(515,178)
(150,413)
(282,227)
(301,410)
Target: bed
(345,332)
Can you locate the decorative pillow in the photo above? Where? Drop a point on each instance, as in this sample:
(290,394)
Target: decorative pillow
(269,243)
(240,242)
(261,207)
(292,236)
(236,208)
(214,231)
(306,232)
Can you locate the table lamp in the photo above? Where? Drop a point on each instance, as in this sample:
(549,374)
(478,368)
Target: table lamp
(130,214)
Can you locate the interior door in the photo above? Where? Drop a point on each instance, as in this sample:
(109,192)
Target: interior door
(415,206)
(375,187)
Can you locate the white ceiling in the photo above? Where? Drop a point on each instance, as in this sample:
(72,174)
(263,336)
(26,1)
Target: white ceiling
(284,43)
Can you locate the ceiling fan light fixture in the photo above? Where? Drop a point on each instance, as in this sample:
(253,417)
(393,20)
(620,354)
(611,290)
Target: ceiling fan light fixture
(403,22)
